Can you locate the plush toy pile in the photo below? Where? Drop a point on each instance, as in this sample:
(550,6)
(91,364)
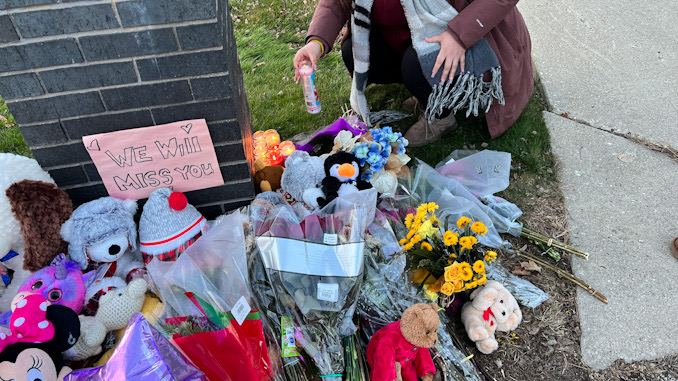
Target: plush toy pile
(331,271)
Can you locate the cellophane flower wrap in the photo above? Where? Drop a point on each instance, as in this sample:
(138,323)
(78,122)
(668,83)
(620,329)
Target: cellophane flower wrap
(385,294)
(308,268)
(212,318)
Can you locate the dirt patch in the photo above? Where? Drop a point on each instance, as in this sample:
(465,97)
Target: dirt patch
(546,345)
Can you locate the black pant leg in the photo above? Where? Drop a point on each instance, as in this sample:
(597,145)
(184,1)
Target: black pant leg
(385,62)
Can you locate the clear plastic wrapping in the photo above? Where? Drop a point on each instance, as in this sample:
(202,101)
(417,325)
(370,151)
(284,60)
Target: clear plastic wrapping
(385,295)
(523,290)
(211,310)
(308,268)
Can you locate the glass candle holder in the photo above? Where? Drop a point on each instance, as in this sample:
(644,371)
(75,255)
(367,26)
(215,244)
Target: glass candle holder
(272,138)
(286,148)
(258,136)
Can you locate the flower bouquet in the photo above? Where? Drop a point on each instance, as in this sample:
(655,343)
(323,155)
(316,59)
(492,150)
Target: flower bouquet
(210,308)
(306,272)
(445,261)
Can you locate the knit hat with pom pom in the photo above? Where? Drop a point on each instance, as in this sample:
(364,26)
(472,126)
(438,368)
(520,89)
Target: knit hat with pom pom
(167,222)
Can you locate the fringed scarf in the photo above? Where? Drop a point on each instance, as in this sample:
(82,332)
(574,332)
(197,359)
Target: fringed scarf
(427,18)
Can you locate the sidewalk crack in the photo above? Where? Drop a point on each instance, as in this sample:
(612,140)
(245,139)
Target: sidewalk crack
(666,149)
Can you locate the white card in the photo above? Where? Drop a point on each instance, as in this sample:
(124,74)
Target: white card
(241,310)
(330,239)
(328,292)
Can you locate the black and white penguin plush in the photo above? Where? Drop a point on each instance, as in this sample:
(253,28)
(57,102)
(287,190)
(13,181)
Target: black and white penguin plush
(342,176)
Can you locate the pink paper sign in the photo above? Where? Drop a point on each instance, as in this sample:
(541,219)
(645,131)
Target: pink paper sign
(133,163)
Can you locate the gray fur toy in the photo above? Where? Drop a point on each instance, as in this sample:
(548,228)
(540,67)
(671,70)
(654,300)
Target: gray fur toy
(303,177)
(101,231)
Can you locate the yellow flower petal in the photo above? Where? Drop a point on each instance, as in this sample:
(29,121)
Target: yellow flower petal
(479,228)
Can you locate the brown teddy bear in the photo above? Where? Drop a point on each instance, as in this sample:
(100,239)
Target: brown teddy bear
(492,308)
(267,177)
(399,351)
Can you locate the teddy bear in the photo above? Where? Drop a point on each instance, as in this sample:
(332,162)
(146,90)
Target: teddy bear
(40,215)
(492,308)
(102,235)
(400,350)
(303,177)
(116,308)
(267,178)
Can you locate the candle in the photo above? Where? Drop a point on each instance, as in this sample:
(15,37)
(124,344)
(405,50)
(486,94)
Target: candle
(272,138)
(258,136)
(286,148)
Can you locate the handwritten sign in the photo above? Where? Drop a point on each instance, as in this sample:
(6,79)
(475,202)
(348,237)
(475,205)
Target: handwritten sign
(133,163)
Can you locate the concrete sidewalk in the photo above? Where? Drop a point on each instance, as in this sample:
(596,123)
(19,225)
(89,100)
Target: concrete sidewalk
(612,67)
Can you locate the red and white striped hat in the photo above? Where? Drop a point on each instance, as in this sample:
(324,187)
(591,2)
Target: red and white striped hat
(167,222)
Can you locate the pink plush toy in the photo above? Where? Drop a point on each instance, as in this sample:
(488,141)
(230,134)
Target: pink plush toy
(61,283)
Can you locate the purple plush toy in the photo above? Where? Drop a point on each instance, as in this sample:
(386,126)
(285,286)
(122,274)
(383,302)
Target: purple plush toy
(62,283)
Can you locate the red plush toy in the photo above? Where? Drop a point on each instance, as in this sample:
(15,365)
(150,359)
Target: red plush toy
(399,351)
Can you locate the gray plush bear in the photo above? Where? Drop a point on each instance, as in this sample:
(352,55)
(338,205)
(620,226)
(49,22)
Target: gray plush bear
(100,232)
(303,177)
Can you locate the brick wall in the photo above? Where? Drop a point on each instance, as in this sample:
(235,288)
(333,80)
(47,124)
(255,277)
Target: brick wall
(74,68)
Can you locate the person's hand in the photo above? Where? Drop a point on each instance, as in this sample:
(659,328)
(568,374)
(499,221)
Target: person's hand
(310,52)
(451,54)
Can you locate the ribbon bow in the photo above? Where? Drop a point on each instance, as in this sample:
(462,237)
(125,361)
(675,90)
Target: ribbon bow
(29,323)
(486,315)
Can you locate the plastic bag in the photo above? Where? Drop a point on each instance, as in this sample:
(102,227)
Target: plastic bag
(313,266)
(482,173)
(143,354)
(523,290)
(384,296)
(454,200)
(204,289)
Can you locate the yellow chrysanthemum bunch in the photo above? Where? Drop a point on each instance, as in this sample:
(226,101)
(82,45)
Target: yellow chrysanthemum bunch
(445,261)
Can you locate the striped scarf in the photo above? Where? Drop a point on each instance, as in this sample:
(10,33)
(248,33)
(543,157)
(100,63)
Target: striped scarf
(427,18)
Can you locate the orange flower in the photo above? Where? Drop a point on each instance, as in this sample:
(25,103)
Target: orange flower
(435,287)
(467,242)
(419,275)
(453,273)
(447,288)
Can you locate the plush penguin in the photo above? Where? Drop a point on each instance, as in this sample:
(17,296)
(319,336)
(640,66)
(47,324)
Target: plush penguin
(342,176)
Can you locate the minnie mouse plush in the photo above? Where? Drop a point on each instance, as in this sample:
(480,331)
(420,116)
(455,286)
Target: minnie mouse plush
(39,332)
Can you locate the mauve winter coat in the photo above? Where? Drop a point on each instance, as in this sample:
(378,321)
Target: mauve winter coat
(497,20)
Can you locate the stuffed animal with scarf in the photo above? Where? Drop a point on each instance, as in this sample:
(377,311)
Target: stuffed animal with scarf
(492,308)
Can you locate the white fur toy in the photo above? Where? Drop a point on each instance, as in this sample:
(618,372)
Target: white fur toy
(492,308)
(101,232)
(116,308)
(14,168)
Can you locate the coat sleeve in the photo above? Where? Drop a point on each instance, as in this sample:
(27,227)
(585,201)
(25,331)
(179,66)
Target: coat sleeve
(384,360)
(423,362)
(477,19)
(329,17)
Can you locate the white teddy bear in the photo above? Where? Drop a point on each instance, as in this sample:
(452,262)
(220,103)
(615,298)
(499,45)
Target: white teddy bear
(116,308)
(492,308)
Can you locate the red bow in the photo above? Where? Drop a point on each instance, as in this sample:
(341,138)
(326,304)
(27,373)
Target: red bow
(29,323)
(486,315)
